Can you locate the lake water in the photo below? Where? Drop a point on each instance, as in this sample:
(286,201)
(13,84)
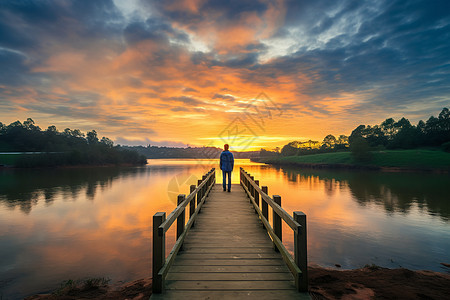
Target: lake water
(78,223)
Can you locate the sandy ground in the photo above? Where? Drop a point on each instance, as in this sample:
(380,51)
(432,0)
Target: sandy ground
(366,283)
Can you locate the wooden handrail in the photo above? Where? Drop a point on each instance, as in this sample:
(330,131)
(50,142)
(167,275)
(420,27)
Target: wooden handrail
(161,265)
(277,208)
(180,208)
(298,265)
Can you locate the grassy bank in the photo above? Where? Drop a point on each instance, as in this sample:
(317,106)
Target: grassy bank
(98,155)
(390,159)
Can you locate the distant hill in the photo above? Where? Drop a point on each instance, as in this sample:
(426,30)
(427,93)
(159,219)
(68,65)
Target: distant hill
(189,152)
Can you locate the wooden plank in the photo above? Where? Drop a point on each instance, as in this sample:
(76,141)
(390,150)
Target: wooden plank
(206,256)
(230,276)
(229,285)
(230,238)
(219,229)
(236,244)
(243,294)
(230,224)
(229,262)
(228,255)
(202,250)
(244,269)
(246,234)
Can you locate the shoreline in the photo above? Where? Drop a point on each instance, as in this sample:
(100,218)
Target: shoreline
(324,283)
(84,166)
(338,166)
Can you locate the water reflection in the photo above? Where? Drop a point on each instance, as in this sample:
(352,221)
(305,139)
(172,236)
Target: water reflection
(23,188)
(75,223)
(395,192)
(357,218)
(96,222)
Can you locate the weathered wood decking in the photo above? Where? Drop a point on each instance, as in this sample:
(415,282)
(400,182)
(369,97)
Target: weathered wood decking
(228,254)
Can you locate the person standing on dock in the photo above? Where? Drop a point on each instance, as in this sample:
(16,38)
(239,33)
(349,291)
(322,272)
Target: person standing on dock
(226,165)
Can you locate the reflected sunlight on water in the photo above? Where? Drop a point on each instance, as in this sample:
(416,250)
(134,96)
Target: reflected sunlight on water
(96,222)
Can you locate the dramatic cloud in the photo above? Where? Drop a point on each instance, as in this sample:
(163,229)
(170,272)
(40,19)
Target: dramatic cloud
(192,71)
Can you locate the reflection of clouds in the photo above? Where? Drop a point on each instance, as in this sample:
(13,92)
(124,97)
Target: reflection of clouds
(358,218)
(108,235)
(395,192)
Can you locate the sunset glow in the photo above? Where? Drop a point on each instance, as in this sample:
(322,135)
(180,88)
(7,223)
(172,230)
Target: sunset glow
(203,73)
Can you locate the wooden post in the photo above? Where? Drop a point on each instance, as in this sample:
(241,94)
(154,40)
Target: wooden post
(256,194)
(192,203)
(210,182)
(264,205)
(181,218)
(247,182)
(252,192)
(277,220)
(159,252)
(300,250)
(204,187)
(199,193)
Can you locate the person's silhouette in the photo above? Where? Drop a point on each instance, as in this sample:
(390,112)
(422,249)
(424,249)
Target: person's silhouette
(226,165)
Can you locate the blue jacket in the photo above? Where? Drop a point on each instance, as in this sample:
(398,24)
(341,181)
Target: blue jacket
(226,161)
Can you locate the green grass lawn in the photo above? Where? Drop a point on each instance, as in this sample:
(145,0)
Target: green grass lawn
(414,159)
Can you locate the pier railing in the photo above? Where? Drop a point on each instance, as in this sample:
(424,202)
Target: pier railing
(161,264)
(298,264)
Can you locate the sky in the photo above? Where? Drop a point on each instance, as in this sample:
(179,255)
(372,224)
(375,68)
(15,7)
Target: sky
(249,73)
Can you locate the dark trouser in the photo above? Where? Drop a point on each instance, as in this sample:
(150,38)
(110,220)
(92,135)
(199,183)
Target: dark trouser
(224,175)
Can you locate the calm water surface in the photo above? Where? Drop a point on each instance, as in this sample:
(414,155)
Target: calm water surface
(78,223)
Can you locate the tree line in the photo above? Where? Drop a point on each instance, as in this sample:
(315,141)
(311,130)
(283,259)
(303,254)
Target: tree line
(401,134)
(69,147)
(188,152)
(390,134)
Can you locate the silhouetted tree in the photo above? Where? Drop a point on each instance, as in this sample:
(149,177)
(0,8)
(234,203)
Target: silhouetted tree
(329,141)
(402,134)
(360,149)
(66,148)
(52,129)
(342,142)
(91,137)
(107,142)
(289,150)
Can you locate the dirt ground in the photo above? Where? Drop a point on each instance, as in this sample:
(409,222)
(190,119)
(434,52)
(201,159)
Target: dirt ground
(377,283)
(136,290)
(366,283)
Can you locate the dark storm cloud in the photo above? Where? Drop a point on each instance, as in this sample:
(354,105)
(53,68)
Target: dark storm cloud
(34,27)
(13,66)
(88,19)
(401,49)
(227,11)
(154,29)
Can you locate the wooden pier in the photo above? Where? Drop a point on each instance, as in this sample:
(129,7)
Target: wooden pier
(232,251)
